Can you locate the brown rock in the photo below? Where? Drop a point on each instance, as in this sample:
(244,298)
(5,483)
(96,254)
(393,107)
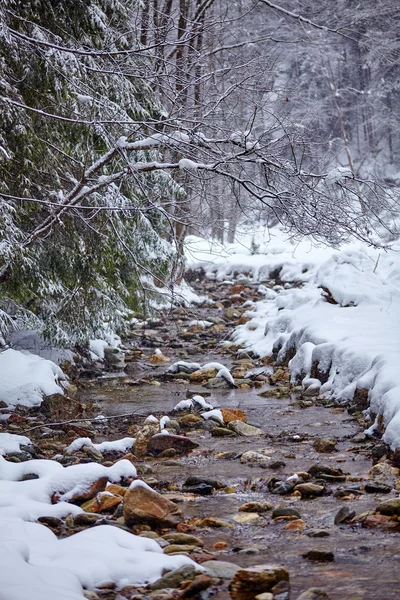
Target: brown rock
(309,490)
(319,555)
(199,583)
(103,502)
(237,288)
(248,583)
(189,420)
(142,505)
(389,507)
(159,359)
(201,375)
(296,525)
(325,445)
(115,489)
(160,443)
(212,522)
(233,414)
(314,594)
(258,507)
(144,436)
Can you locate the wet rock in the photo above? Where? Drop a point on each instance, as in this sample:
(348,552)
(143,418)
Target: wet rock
(377,488)
(359,438)
(254,457)
(142,505)
(379,451)
(280,374)
(229,455)
(198,585)
(258,507)
(314,594)
(248,583)
(179,548)
(309,490)
(173,579)
(221,569)
(325,445)
(86,520)
(195,480)
(202,489)
(389,507)
(319,555)
(277,464)
(319,533)
(384,473)
(216,383)
(212,522)
(246,518)
(143,438)
(285,512)
(221,432)
(244,429)
(326,472)
(202,375)
(233,414)
(53,522)
(282,488)
(184,539)
(189,420)
(344,515)
(296,525)
(161,442)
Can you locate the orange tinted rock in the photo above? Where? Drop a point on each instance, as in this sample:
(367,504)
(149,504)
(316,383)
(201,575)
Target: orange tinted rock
(115,489)
(248,583)
(236,289)
(99,485)
(296,525)
(233,414)
(142,505)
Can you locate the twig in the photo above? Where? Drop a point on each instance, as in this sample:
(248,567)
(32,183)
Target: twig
(82,420)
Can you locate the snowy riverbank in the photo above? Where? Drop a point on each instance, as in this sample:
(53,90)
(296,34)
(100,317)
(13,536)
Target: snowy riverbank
(343,315)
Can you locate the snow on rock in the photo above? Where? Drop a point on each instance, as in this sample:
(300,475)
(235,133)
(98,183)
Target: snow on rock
(11,442)
(37,565)
(183,405)
(343,317)
(197,399)
(186,367)
(122,445)
(97,348)
(199,323)
(25,378)
(213,414)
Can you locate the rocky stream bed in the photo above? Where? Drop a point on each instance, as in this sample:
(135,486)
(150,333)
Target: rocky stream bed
(283,498)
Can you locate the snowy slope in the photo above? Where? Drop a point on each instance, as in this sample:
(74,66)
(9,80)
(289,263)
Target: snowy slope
(355,339)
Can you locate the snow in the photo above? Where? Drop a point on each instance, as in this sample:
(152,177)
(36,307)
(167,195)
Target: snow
(354,339)
(183,405)
(97,348)
(175,368)
(202,402)
(10,442)
(37,565)
(200,323)
(213,414)
(122,445)
(25,378)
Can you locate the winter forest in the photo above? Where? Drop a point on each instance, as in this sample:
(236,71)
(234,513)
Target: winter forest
(199,299)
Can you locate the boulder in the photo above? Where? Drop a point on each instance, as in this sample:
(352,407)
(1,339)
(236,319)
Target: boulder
(233,414)
(161,442)
(244,429)
(173,579)
(144,506)
(144,436)
(389,507)
(248,583)
(221,569)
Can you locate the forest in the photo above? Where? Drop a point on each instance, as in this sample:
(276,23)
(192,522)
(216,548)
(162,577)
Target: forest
(126,125)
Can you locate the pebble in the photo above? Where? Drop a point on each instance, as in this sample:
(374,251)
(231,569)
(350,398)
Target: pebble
(220,569)
(325,445)
(319,555)
(343,515)
(173,579)
(257,507)
(309,490)
(247,583)
(285,512)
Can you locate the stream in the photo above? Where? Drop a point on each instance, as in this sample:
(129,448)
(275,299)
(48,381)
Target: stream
(366,555)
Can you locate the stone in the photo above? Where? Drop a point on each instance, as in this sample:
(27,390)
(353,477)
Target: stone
(246,518)
(396,458)
(280,375)
(319,555)
(254,457)
(158,358)
(92,453)
(190,420)
(377,488)
(184,539)
(161,442)
(212,522)
(86,520)
(244,429)
(248,583)
(326,472)
(384,473)
(233,414)
(344,515)
(265,596)
(80,497)
(220,569)
(52,522)
(221,432)
(202,489)
(117,490)
(199,584)
(104,501)
(389,507)
(179,548)
(318,533)
(314,594)
(144,436)
(296,525)
(202,375)
(285,512)
(142,505)
(258,507)
(196,480)
(216,383)
(325,445)
(309,490)
(173,579)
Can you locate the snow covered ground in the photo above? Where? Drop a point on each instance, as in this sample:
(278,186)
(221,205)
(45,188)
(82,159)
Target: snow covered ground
(37,565)
(354,337)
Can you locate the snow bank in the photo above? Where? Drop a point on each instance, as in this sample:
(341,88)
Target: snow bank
(122,445)
(344,316)
(25,378)
(37,565)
